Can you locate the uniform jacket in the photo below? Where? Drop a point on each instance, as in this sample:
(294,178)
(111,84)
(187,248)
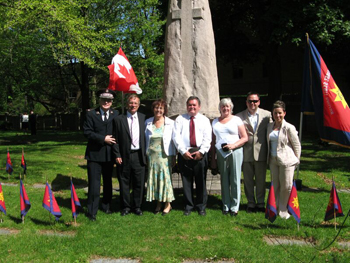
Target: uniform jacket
(95,129)
(168,144)
(255,149)
(288,148)
(123,138)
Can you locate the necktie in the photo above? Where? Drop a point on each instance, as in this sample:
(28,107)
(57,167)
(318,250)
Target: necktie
(192,133)
(105,114)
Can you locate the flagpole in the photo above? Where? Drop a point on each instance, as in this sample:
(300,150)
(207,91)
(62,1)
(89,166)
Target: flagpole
(24,173)
(334,213)
(122,102)
(1,220)
(8,175)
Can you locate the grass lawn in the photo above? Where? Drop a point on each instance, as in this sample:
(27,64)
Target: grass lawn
(153,238)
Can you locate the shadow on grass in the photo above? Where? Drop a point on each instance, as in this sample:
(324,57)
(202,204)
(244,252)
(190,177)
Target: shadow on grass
(62,182)
(67,138)
(44,223)
(16,220)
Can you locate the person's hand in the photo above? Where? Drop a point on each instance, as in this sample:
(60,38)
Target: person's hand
(109,140)
(187,156)
(119,160)
(197,155)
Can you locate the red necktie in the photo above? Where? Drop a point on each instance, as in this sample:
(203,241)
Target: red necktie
(192,133)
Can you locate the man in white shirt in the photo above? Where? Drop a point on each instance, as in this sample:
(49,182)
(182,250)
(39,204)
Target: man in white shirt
(192,137)
(255,120)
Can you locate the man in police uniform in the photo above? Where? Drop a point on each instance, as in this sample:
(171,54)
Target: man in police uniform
(98,128)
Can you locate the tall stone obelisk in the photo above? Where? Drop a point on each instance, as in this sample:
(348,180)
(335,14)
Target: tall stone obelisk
(190,61)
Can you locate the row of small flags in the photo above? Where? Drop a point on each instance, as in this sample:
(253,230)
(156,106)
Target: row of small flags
(333,210)
(49,201)
(9,167)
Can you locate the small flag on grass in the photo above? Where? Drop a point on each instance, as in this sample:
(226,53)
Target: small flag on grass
(9,168)
(271,210)
(2,201)
(293,203)
(50,203)
(74,200)
(334,208)
(24,200)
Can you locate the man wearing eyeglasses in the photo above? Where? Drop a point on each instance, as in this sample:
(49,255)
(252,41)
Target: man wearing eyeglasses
(99,128)
(255,120)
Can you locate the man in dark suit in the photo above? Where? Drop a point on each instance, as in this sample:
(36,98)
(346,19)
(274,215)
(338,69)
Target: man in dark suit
(130,155)
(99,129)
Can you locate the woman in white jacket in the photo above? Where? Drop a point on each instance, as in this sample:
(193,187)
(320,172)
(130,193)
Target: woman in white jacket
(283,156)
(160,152)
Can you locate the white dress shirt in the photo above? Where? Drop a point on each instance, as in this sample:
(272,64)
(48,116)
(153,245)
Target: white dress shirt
(254,119)
(136,130)
(181,134)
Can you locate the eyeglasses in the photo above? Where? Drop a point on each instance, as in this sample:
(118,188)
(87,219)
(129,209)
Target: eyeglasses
(107,100)
(253,101)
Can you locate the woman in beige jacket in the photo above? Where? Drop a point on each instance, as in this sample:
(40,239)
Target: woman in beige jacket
(283,156)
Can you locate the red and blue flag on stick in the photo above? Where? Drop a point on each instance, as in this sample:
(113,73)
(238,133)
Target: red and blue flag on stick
(322,96)
(74,200)
(2,201)
(9,168)
(24,200)
(334,208)
(271,210)
(50,203)
(23,163)
(293,203)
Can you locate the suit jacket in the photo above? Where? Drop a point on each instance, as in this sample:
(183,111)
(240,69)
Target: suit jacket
(255,149)
(95,129)
(122,134)
(288,147)
(168,145)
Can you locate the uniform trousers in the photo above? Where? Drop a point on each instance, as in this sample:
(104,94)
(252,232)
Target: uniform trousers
(257,170)
(230,173)
(282,178)
(95,169)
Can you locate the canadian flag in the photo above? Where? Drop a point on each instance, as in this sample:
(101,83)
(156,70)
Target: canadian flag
(122,76)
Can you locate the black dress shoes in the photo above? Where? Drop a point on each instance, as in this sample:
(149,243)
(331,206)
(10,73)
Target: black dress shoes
(260,209)
(108,212)
(187,212)
(202,213)
(92,217)
(138,212)
(165,213)
(250,210)
(124,212)
(225,213)
(233,213)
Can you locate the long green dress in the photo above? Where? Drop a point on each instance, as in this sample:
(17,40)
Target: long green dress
(159,185)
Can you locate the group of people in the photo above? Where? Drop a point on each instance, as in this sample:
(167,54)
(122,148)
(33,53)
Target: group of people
(249,139)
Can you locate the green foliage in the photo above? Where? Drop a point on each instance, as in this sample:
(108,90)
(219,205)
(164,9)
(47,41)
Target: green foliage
(51,49)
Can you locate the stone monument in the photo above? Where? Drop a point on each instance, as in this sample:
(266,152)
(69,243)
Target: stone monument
(190,61)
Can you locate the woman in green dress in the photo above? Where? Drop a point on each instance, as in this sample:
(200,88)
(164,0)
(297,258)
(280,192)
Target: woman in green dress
(161,153)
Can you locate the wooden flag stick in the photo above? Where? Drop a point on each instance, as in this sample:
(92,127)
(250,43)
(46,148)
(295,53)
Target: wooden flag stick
(22,219)
(335,215)
(75,220)
(1,220)
(298,226)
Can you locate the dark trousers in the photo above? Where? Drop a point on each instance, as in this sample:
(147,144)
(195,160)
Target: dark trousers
(95,169)
(196,170)
(132,175)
